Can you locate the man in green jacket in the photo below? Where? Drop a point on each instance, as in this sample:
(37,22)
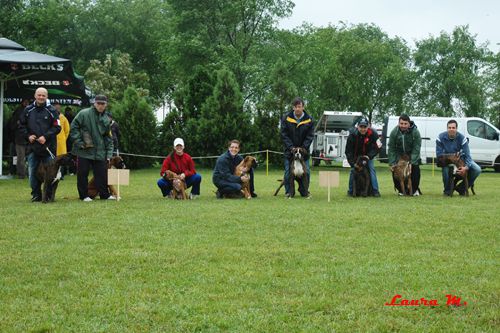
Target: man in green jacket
(93,144)
(405,139)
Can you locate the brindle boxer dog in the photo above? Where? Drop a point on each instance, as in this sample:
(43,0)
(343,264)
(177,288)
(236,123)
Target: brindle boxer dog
(298,172)
(178,185)
(116,162)
(248,163)
(50,173)
(453,162)
(361,177)
(402,173)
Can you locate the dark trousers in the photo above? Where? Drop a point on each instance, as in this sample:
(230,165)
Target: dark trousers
(100,170)
(226,187)
(415,179)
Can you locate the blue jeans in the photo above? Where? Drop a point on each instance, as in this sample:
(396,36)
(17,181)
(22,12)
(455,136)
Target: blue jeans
(33,163)
(373,177)
(194,181)
(472,174)
(286,177)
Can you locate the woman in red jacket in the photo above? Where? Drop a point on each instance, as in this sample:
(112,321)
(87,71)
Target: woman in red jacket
(182,164)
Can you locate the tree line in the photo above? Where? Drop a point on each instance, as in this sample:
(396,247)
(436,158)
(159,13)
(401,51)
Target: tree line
(225,70)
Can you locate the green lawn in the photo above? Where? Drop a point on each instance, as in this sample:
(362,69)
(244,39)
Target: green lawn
(149,264)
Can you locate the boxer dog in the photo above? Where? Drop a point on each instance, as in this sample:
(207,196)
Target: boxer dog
(50,173)
(298,172)
(402,173)
(453,162)
(247,163)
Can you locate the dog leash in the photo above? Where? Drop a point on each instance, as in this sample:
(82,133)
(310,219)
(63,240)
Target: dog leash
(51,155)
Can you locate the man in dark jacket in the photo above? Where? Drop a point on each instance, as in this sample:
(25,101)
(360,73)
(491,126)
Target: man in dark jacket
(297,131)
(405,139)
(362,142)
(229,185)
(39,125)
(93,144)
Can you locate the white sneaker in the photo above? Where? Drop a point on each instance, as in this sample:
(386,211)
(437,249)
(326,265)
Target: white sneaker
(193,196)
(111,197)
(416,194)
(87,199)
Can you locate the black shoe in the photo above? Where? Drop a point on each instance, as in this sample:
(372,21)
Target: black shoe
(218,195)
(349,194)
(36,199)
(254,195)
(376,194)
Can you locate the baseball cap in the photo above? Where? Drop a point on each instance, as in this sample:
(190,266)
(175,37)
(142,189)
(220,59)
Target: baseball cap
(363,122)
(101,98)
(178,141)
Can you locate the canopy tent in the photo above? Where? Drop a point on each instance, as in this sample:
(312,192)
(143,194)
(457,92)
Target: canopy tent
(22,72)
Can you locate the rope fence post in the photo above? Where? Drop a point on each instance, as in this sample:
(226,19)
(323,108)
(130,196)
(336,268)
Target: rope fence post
(267,162)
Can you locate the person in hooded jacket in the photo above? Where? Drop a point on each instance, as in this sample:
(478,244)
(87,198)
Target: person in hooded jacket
(360,142)
(39,124)
(405,139)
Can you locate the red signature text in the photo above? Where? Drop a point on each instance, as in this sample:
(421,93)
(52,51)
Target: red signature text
(398,300)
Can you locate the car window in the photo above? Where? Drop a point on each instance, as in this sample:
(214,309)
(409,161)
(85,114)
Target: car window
(481,130)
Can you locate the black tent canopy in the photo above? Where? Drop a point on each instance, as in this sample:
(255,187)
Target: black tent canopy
(22,72)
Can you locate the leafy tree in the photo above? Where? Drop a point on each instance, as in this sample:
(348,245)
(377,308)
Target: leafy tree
(137,126)
(222,117)
(448,69)
(113,75)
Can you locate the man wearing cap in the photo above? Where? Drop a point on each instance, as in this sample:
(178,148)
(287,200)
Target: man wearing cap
(39,125)
(405,139)
(93,145)
(182,164)
(361,142)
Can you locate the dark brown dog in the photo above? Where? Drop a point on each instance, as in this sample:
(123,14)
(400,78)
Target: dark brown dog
(453,162)
(361,177)
(248,163)
(116,162)
(298,172)
(402,173)
(178,185)
(50,173)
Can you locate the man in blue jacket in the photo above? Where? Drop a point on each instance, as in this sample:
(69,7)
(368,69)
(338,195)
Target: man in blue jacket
(39,125)
(228,185)
(451,142)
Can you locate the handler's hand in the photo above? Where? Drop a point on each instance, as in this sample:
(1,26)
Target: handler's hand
(32,138)
(183,176)
(461,171)
(41,140)
(244,169)
(392,167)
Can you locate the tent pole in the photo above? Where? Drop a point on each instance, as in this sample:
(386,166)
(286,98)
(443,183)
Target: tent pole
(2,82)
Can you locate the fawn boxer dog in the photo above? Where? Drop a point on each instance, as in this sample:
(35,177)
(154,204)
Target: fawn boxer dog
(298,172)
(178,185)
(453,162)
(116,162)
(50,173)
(361,177)
(247,163)
(402,173)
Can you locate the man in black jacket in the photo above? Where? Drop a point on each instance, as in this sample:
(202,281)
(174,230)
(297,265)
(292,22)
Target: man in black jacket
(39,124)
(297,131)
(362,141)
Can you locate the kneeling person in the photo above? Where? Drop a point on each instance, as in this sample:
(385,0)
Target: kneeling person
(229,185)
(181,164)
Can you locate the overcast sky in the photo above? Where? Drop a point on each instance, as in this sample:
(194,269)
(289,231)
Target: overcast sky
(409,19)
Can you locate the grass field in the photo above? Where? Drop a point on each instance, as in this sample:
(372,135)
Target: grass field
(148,264)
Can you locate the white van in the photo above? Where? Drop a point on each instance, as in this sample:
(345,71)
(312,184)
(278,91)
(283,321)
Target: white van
(483,137)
